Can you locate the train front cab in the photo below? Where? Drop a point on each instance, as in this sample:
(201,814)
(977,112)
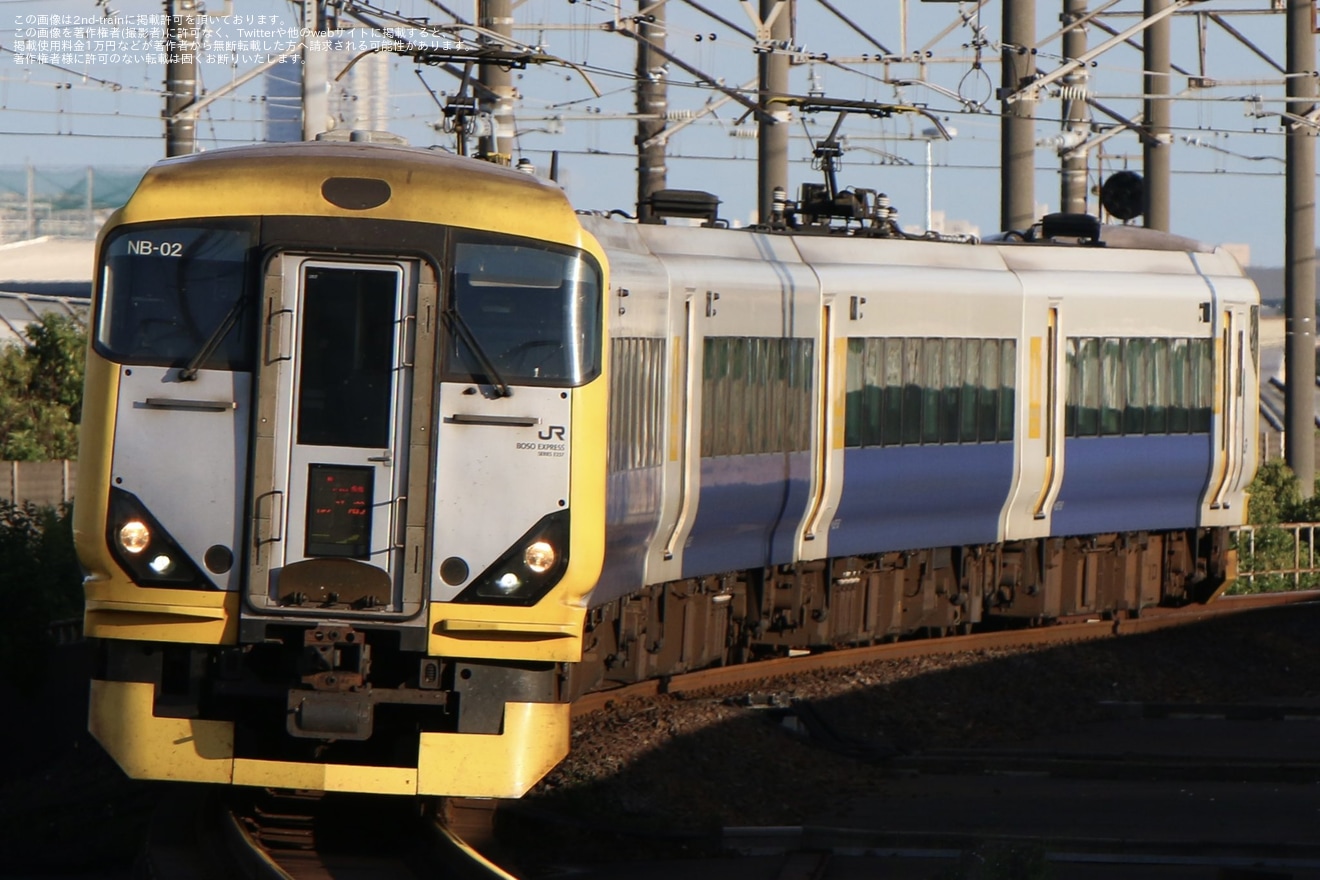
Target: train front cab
(374,510)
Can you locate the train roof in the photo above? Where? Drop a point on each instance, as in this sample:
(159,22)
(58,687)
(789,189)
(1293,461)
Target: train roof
(1124,236)
(823,211)
(327,178)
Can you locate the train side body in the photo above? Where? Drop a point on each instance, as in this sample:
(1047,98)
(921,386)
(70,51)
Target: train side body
(914,395)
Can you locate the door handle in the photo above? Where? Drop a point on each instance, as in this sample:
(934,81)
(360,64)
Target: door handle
(399,522)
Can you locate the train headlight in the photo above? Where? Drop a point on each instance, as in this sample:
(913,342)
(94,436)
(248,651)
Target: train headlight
(539,557)
(528,570)
(145,549)
(134,536)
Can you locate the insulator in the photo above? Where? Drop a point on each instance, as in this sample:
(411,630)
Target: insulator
(1074,92)
(747,133)
(679,115)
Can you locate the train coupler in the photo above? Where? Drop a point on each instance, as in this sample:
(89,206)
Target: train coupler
(335,700)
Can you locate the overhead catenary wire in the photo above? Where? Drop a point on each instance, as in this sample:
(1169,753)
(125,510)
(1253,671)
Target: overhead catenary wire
(729,52)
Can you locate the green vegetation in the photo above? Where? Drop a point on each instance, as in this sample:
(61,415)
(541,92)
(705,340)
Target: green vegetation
(40,405)
(41,392)
(1276,498)
(40,582)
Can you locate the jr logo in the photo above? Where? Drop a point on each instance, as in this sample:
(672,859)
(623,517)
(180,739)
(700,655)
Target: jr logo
(554,432)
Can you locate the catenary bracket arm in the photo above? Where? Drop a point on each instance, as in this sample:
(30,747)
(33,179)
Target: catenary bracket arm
(701,75)
(1032,89)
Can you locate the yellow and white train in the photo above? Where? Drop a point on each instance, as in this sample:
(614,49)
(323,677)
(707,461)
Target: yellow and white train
(388,453)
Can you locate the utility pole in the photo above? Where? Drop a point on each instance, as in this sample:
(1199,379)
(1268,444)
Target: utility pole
(1017,136)
(181,46)
(772,137)
(1299,248)
(315,71)
(1156,149)
(652,106)
(497,146)
(1072,178)
(91,202)
(31,202)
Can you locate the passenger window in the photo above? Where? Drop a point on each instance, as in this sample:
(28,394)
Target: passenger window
(1157,387)
(1073,401)
(1134,364)
(989,396)
(1203,382)
(874,366)
(735,412)
(756,395)
(1007,381)
(1111,387)
(932,362)
(636,403)
(1088,398)
(1180,386)
(912,391)
(856,392)
(971,385)
(892,422)
(714,368)
(950,409)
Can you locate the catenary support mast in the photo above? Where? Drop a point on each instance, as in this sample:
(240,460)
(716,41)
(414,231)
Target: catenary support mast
(180,76)
(1299,247)
(315,71)
(652,105)
(1156,150)
(1072,179)
(772,137)
(1017,132)
(497,97)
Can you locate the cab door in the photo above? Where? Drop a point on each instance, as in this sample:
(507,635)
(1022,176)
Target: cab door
(332,463)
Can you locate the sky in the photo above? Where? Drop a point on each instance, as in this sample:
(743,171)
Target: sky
(97,99)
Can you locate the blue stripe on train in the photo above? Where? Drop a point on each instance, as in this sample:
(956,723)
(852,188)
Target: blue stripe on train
(910,497)
(748,511)
(1113,484)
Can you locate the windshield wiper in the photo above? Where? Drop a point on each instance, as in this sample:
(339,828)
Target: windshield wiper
(189,372)
(458,325)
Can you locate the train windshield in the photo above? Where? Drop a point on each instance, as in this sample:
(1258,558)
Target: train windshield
(527,313)
(167,293)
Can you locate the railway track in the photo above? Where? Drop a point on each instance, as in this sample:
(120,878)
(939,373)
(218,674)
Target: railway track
(1167,789)
(263,835)
(308,838)
(1273,403)
(1150,787)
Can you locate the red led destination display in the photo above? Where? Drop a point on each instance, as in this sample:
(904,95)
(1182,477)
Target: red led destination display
(339,511)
